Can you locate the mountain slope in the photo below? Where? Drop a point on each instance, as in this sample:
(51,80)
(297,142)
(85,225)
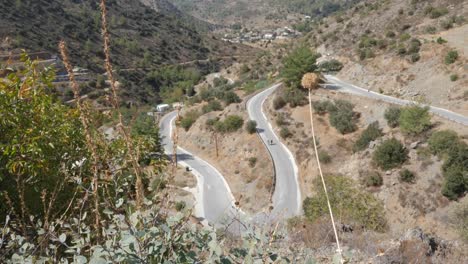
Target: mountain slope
(136,31)
(260,13)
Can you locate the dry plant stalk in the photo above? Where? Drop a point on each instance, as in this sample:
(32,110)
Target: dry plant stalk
(84,114)
(310,82)
(133,154)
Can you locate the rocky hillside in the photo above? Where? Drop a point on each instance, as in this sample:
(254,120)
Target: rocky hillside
(406,48)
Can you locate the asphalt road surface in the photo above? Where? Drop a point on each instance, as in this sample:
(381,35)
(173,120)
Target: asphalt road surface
(287,196)
(214,200)
(333,83)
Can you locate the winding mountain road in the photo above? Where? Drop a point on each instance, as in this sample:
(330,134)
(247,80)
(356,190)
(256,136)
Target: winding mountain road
(287,195)
(333,83)
(214,200)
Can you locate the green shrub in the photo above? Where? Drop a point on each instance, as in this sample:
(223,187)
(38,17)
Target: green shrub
(278,102)
(440,40)
(372,179)
(454,77)
(414,119)
(212,105)
(390,154)
(285,133)
(179,206)
(252,162)
(189,119)
(342,116)
(371,133)
(324,157)
(351,203)
(251,126)
(331,65)
(230,124)
(230,97)
(392,115)
(441,142)
(451,57)
(407,176)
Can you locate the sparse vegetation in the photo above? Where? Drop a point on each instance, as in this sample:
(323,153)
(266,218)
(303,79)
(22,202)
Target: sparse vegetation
(179,206)
(451,57)
(454,77)
(407,176)
(251,126)
(278,102)
(252,162)
(414,120)
(212,105)
(392,115)
(324,157)
(231,123)
(354,205)
(342,117)
(390,154)
(371,133)
(285,133)
(322,107)
(189,119)
(441,142)
(372,179)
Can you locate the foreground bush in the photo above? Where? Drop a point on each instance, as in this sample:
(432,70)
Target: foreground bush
(390,154)
(414,119)
(350,203)
(371,133)
(231,123)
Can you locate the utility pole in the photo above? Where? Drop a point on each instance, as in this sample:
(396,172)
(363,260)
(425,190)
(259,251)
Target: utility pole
(175,139)
(215,136)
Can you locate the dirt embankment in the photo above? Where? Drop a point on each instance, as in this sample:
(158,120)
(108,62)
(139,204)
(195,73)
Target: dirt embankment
(406,205)
(242,159)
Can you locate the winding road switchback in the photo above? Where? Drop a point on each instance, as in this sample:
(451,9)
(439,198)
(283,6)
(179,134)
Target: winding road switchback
(287,195)
(214,200)
(333,83)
